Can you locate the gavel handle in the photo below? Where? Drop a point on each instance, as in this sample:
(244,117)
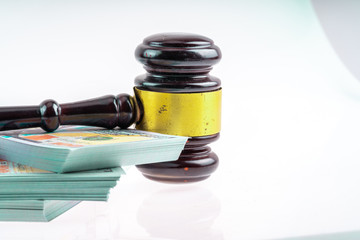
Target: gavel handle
(107,111)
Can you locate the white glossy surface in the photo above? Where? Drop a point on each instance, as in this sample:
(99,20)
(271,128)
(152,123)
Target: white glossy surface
(289,146)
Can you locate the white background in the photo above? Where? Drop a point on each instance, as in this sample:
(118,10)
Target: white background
(289,147)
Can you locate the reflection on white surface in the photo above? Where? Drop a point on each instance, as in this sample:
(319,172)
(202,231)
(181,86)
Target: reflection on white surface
(181,213)
(138,209)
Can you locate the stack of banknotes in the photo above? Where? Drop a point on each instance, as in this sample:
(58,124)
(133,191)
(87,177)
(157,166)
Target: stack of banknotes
(18,182)
(82,148)
(33,210)
(43,175)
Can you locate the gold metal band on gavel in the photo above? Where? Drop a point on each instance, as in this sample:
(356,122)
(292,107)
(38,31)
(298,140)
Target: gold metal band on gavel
(184,114)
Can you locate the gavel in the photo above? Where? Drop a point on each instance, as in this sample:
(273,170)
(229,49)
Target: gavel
(176,96)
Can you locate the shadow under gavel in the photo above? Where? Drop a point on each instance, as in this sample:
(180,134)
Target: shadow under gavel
(176,96)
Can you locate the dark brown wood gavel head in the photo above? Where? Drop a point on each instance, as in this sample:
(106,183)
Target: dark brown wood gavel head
(176,96)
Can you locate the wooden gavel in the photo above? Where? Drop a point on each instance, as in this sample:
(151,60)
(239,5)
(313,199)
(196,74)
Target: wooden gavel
(176,96)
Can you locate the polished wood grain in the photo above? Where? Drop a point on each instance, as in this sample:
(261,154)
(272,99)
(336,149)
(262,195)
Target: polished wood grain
(107,111)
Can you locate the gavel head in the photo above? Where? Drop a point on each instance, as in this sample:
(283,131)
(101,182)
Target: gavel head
(179,97)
